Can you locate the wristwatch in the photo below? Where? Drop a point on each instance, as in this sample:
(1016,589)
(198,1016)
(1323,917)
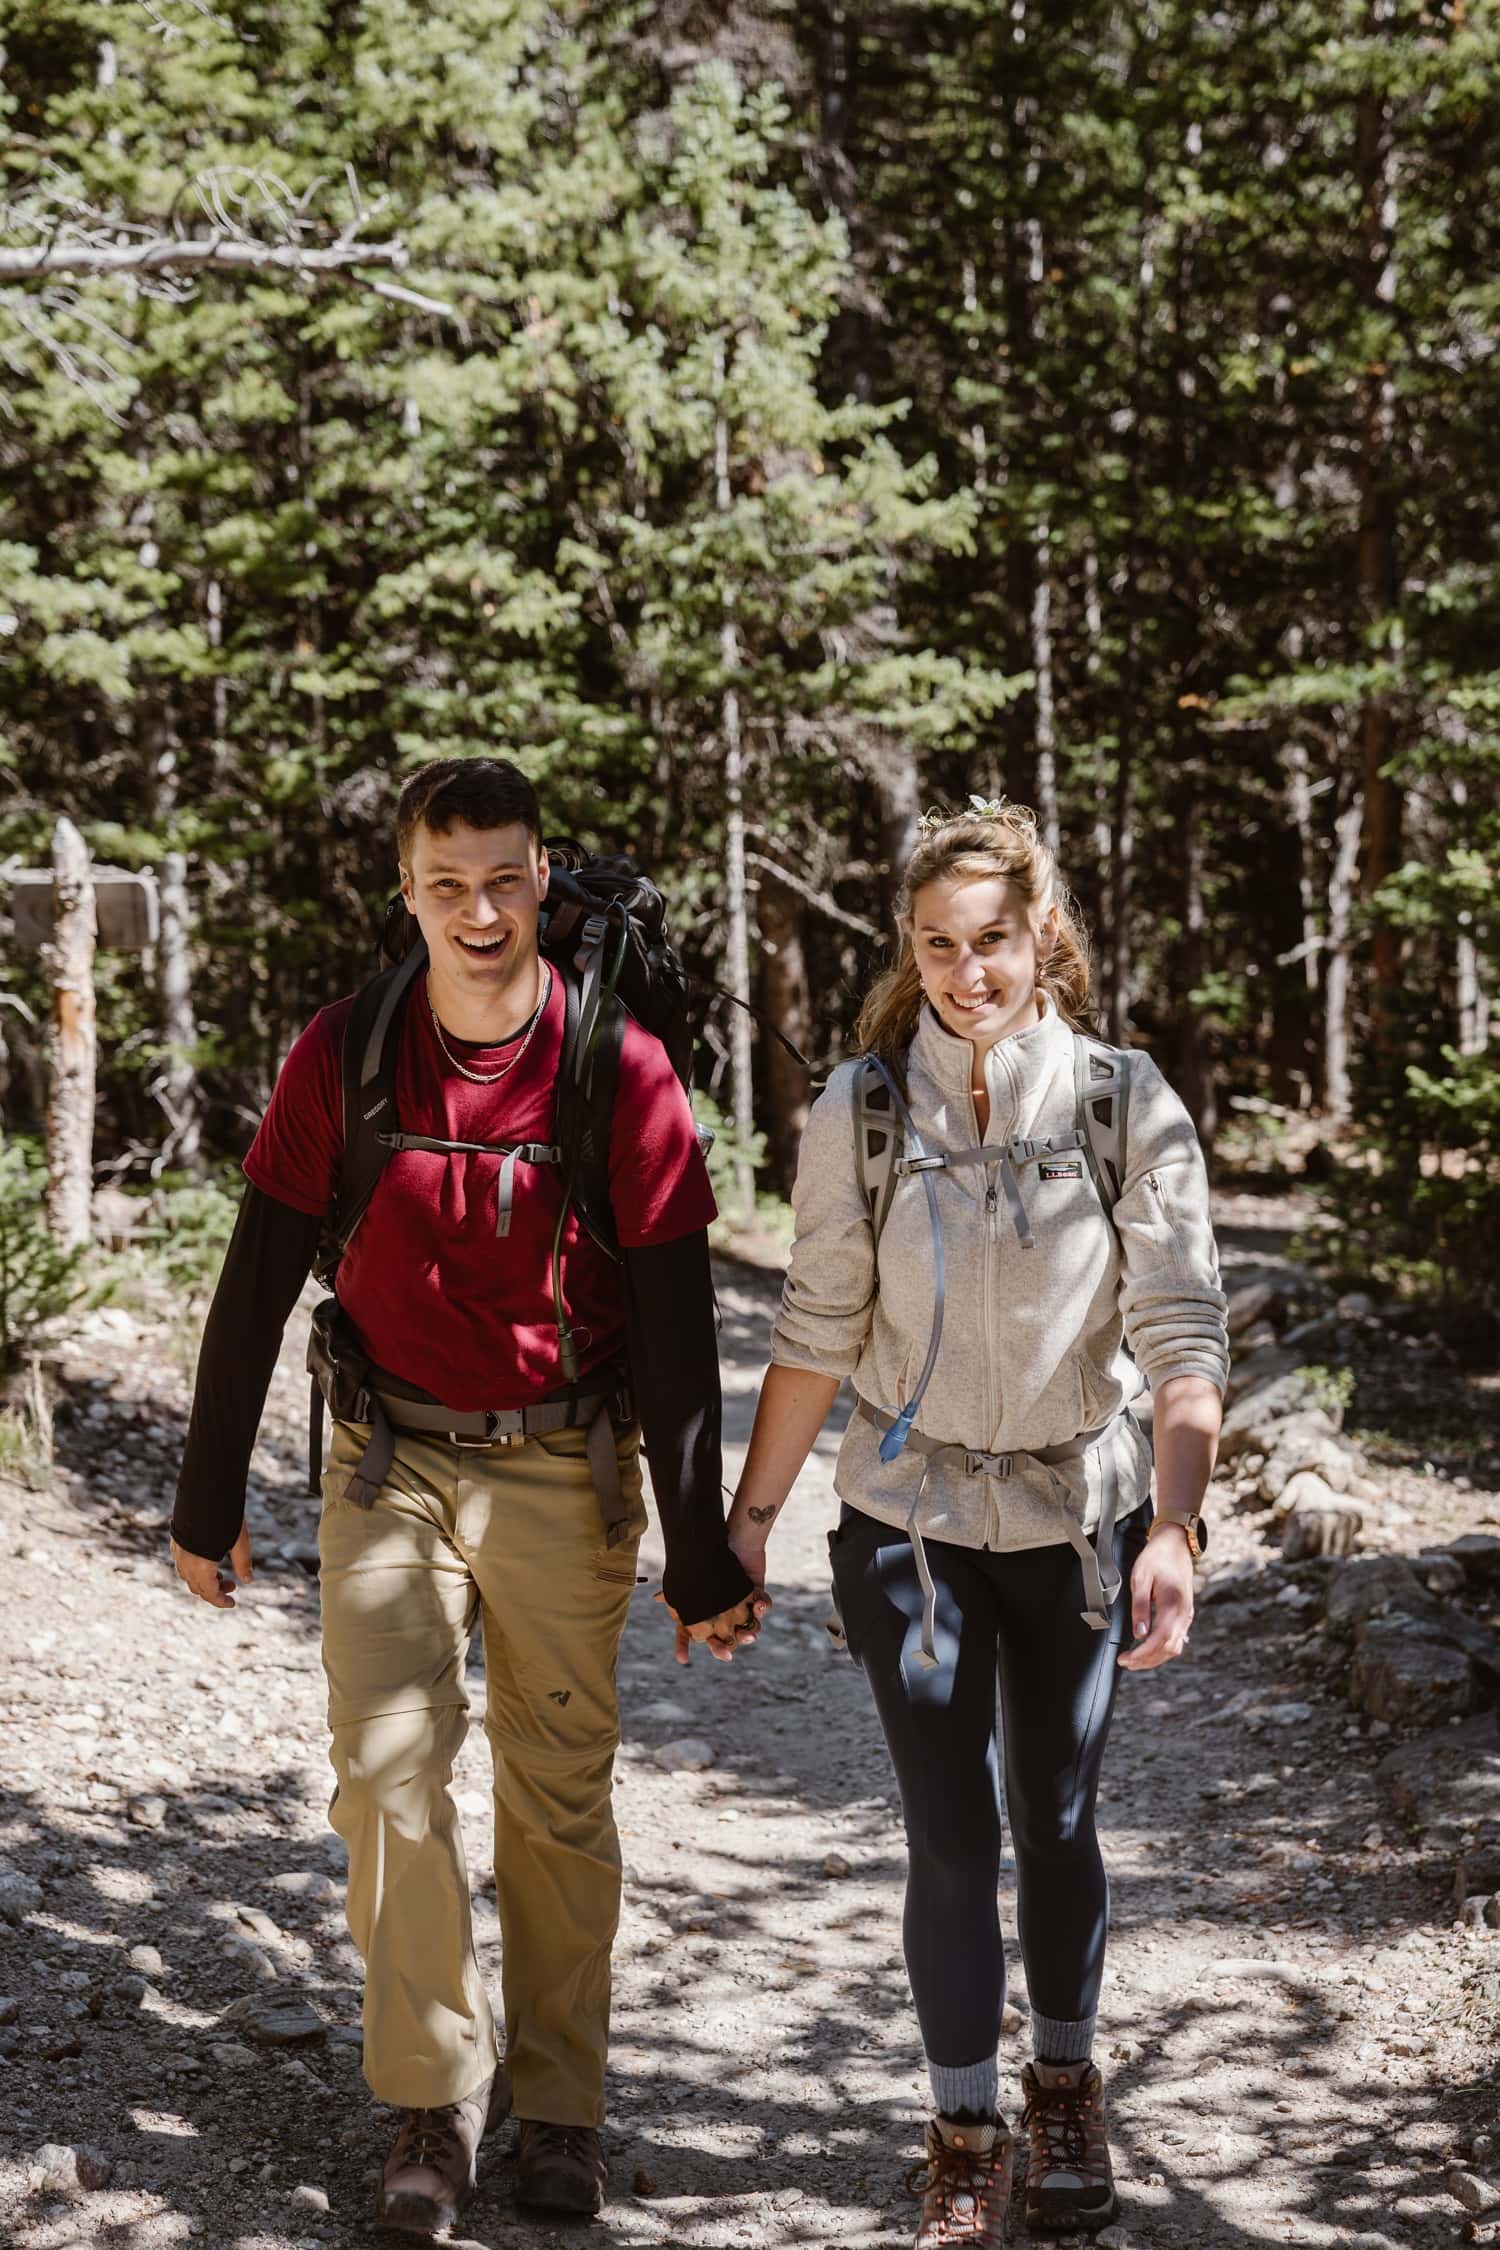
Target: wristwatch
(1196,1528)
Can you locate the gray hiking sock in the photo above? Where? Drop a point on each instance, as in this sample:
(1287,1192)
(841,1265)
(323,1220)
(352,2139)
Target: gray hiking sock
(1062,2042)
(974,2087)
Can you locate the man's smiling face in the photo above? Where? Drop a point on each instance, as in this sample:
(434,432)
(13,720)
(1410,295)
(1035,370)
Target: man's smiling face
(476,894)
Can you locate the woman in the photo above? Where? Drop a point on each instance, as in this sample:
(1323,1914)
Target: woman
(996,1488)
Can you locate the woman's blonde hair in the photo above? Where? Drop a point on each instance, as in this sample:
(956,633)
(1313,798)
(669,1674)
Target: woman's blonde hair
(1001,839)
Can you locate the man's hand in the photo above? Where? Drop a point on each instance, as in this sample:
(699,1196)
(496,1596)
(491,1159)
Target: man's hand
(211,1581)
(722,1635)
(1161,1601)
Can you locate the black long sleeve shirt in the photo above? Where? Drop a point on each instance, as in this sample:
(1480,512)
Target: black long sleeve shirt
(674,1367)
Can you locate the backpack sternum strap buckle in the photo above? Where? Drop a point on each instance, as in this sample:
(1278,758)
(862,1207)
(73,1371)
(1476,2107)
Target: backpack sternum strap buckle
(1046,1144)
(988,1464)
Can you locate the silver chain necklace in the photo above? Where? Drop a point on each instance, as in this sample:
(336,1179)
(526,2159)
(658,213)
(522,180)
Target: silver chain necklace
(492,1078)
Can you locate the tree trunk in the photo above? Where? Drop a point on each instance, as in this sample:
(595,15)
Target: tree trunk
(737,964)
(178,1084)
(1299,805)
(1473,1000)
(1337,1101)
(70,1102)
(1379,584)
(788,1005)
(1195,1077)
(898,795)
(1122,839)
(1046,706)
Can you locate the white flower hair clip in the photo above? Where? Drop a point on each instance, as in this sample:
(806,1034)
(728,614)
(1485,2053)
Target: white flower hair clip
(980,808)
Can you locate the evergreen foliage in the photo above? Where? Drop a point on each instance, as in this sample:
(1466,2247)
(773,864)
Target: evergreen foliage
(837,410)
(37,1279)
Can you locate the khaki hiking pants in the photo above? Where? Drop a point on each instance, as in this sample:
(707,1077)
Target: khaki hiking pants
(509,1537)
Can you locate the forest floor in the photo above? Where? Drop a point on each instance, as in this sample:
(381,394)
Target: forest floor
(1293,2046)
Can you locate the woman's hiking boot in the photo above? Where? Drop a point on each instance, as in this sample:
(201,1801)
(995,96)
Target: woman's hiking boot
(1070,2186)
(560,2168)
(964,2185)
(431,2171)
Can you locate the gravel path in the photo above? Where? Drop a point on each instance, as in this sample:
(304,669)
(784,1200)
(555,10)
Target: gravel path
(1295,2034)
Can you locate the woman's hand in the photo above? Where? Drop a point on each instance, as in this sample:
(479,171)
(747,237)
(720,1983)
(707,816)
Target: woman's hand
(1161,1601)
(731,1629)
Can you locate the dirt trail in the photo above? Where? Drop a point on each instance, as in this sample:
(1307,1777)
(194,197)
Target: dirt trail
(1290,2031)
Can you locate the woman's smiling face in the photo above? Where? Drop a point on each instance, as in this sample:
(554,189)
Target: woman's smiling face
(978,948)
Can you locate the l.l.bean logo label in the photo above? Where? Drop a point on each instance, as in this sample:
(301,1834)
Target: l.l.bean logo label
(1061,1168)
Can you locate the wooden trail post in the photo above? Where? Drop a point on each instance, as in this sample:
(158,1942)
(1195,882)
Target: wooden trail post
(69,911)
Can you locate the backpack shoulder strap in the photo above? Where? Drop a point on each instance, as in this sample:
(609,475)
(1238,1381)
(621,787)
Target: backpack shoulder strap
(371,1043)
(1101,1088)
(878,1140)
(585,1109)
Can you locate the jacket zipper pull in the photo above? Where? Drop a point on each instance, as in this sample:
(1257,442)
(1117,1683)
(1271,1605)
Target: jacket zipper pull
(991,1199)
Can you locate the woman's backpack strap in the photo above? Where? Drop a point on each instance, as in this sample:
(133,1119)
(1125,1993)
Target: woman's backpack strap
(1101,1086)
(878,1140)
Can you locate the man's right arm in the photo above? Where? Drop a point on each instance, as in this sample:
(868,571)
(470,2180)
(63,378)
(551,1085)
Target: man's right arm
(269,1256)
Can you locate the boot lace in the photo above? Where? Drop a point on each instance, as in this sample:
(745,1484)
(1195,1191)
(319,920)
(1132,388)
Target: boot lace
(434,2137)
(947,2174)
(1062,2116)
(560,2140)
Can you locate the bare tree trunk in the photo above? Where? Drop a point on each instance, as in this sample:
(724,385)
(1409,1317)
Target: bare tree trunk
(737,964)
(1046,706)
(1473,1000)
(788,1005)
(1379,583)
(179,1093)
(176,1086)
(70,1101)
(1122,841)
(897,791)
(1299,805)
(1337,1099)
(1195,1077)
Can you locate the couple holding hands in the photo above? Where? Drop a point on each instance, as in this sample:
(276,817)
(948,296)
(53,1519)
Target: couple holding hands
(1002,1242)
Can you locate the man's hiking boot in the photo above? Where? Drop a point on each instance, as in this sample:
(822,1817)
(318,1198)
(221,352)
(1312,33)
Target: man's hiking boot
(1070,2187)
(429,2175)
(964,2185)
(560,2168)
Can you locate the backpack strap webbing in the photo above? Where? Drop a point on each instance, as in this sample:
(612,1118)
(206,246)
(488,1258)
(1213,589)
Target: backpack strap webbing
(371,1044)
(1101,1089)
(878,1141)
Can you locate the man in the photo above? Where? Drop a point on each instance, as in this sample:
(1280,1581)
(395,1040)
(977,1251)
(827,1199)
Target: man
(446,1291)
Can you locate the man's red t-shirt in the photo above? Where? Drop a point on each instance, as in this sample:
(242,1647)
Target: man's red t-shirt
(436,1296)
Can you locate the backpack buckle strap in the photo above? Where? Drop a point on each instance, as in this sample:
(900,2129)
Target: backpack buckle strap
(988,1464)
(906,1165)
(591,933)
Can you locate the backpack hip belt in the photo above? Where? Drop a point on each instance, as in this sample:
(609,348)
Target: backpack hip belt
(1101,1580)
(350,1385)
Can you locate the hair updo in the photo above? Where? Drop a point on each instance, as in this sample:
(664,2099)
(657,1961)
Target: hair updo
(999,839)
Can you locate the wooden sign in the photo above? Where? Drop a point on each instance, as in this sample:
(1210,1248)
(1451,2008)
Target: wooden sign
(125,908)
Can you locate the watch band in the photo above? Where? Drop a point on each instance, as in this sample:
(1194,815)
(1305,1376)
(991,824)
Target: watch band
(1188,1525)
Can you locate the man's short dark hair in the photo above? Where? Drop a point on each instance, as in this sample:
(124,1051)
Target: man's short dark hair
(474,792)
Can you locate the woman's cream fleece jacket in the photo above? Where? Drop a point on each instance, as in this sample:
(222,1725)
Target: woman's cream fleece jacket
(1032,1351)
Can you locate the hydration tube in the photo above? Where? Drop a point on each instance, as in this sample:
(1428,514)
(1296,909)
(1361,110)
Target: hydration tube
(916,1160)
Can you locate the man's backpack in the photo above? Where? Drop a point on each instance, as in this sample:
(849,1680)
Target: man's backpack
(604,929)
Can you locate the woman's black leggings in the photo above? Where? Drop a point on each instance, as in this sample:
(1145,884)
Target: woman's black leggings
(1012,1620)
